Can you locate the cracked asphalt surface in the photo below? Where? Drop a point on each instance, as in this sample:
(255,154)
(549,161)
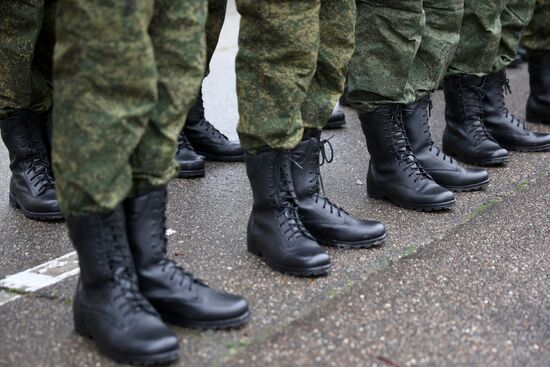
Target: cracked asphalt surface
(465,287)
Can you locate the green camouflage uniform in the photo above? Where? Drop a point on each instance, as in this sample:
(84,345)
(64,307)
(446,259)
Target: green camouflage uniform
(214,23)
(126,72)
(26,46)
(490,35)
(537,35)
(291,67)
(402,50)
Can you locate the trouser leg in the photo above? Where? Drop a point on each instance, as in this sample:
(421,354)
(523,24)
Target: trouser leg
(105,89)
(537,35)
(514,19)
(180,59)
(278,50)
(337,39)
(24,27)
(388,36)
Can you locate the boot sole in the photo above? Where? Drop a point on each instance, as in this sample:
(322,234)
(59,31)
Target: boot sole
(192,173)
(541,148)
(138,360)
(499,161)
(54,216)
(222,158)
(377,194)
(309,272)
(471,187)
(232,323)
(379,241)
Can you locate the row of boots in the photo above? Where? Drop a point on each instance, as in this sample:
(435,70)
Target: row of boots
(407,168)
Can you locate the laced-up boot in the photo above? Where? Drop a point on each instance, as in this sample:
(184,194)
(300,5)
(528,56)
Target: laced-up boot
(509,131)
(465,136)
(444,169)
(538,104)
(275,230)
(179,297)
(191,163)
(327,222)
(108,306)
(32,186)
(207,140)
(394,172)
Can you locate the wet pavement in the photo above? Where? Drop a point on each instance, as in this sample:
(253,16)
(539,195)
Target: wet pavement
(463,287)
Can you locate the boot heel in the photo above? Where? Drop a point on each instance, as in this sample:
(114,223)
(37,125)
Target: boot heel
(13,202)
(80,325)
(252,249)
(375,193)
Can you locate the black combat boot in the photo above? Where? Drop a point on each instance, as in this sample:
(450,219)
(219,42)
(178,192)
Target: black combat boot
(108,306)
(444,170)
(176,294)
(337,120)
(32,186)
(191,164)
(465,136)
(394,172)
(207,140)
(328,223)
(509,131)
(538,104)
(275,230)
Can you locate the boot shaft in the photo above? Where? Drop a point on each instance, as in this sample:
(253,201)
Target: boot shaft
(306,169)
(464,95)
(539,75)
(146,227)
(416,122)
(196,112)
(102,245)
(24,135)
(384,132)
(270,176)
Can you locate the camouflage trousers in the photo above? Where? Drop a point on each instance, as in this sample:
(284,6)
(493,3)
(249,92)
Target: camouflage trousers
(490,35)
(26,48)
(214,23)
(291,67)
(403,48)
(125,74)
(537,35)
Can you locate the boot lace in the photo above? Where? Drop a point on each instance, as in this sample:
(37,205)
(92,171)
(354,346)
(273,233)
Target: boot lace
(505,89)
(124,280)
(324,158)
(209,128)
(177,273)
(397,135)
(184,143)
(39,169)
(427,132)
(473,103)
(287,214)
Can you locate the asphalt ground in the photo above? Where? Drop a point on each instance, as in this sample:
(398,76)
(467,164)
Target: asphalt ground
(464,287)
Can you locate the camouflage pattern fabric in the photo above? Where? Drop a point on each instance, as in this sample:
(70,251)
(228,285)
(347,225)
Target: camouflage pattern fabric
(291,67)
(214,23)
(26,47)
(537,35)
(125,73)
(402,50)
(490,35)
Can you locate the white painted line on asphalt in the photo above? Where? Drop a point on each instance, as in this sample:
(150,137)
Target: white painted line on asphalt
(6,297)
(38,277)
